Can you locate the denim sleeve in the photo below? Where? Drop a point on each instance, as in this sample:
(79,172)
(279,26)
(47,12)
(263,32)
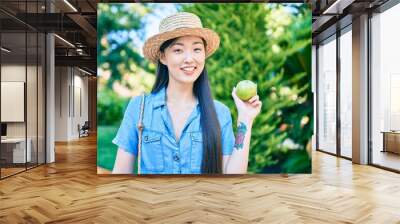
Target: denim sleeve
(127,135)
(228,138)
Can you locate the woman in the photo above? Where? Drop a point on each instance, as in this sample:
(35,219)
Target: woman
(185,130)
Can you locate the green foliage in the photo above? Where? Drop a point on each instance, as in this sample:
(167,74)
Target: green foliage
(297,161)
(121,67)
(270,46)
(110,107)
(106,150)
(116,26)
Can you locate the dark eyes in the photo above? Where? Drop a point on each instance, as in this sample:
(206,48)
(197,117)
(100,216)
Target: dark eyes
(177,50)
(180,50)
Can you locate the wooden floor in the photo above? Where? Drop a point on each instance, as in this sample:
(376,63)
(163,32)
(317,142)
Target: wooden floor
(70,191)
(387,159)
(10,171)
(7,171)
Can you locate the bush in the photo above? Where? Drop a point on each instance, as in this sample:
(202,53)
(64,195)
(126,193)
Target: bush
(110,107)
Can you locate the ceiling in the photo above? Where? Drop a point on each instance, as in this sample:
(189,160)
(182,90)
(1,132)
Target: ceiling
(74,22)
(328,15)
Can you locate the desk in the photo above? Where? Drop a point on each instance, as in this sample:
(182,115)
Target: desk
(18,149)
(391,141)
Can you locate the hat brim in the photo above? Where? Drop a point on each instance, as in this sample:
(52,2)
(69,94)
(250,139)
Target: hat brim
(151,48)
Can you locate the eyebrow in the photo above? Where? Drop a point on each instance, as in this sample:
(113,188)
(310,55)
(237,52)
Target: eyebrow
(181,44)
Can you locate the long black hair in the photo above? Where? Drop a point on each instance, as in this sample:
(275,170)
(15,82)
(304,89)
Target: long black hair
(210,128)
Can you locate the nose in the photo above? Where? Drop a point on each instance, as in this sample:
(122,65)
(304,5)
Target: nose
(188,57)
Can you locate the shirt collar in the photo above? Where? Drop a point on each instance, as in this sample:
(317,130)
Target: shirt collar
(159,98)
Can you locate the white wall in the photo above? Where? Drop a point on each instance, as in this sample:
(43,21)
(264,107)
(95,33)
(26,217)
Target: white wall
(12,73)
(33,127)
(61,103)
(71,93)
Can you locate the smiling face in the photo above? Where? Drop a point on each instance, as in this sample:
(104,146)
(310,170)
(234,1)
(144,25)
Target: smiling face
(185,59)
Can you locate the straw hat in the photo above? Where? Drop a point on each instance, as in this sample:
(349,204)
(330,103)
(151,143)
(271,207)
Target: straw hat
(178,25)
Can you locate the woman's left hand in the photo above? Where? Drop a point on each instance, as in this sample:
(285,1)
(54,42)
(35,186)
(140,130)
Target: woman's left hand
(247,110)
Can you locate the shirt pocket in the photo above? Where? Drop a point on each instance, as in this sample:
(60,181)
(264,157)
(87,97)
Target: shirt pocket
(152,152)
(196,153)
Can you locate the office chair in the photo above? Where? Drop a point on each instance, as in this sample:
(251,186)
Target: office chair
(84,130)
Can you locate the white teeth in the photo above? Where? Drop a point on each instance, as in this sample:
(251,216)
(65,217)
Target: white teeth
(188,69)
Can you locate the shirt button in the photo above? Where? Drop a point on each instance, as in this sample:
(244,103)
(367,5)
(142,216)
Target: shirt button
(176,158)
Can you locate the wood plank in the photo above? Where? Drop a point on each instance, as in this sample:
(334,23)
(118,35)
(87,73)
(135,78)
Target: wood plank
(70,191)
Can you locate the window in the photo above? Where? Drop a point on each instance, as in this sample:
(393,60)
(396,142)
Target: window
(346,92)
(327,95)
(385,89)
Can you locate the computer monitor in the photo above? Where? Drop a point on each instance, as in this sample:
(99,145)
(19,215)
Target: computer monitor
(3,129)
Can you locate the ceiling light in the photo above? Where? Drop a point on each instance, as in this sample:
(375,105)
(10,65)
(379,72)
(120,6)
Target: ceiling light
(70,5)
(337,7)
(65,41)
(79,51)
(5,49)
(84,71)
(333,6)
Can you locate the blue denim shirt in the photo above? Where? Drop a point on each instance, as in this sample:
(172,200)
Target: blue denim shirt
(161,154)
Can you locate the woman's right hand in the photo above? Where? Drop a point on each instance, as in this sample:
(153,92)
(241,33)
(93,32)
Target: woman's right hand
(247,110)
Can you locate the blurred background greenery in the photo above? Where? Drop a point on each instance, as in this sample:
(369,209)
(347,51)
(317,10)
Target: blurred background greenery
(269,44)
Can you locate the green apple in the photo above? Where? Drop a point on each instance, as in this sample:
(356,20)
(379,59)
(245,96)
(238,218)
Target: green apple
(246,89)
